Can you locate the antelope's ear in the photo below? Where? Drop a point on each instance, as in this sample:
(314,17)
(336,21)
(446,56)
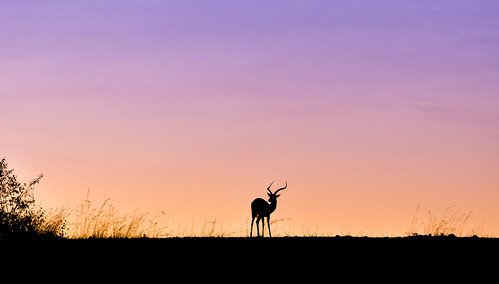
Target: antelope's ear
(268,194)
(278,195)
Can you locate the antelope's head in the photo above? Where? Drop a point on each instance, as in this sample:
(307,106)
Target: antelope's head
(273,196)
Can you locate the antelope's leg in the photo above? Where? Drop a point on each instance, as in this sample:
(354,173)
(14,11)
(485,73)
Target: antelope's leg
(268,223)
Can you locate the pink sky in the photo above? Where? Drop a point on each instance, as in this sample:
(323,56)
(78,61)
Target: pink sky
(366,109)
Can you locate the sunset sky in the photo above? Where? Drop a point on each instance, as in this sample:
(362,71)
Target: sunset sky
(366,108)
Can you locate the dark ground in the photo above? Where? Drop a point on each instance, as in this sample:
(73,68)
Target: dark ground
(351,257)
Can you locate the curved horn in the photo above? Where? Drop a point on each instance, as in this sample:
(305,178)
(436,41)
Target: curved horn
(281,188)
(268,188)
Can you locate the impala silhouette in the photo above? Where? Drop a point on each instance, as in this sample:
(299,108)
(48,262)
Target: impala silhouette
(261,209)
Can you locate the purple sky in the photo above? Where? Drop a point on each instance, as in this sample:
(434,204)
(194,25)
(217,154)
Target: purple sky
(357,98)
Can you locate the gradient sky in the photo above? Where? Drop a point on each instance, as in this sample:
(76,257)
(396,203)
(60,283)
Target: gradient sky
(366,108)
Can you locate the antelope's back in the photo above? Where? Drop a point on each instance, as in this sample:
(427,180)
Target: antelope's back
(258,206)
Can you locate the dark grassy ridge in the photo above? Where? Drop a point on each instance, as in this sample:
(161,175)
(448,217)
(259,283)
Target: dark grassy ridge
(182,247)
(294,254)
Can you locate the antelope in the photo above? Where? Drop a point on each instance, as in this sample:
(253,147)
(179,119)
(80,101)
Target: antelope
(261,209)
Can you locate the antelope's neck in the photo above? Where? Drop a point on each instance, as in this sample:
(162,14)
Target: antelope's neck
(273,206)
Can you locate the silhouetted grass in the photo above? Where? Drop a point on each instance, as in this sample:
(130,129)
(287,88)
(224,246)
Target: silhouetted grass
(441,223)
(106,221)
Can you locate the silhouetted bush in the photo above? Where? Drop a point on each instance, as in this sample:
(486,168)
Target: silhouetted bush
(19,218)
